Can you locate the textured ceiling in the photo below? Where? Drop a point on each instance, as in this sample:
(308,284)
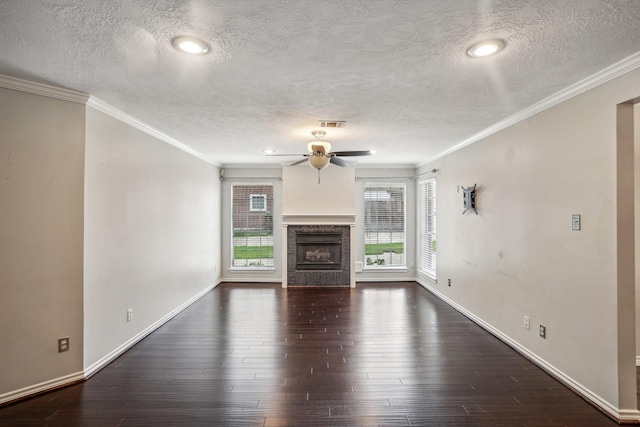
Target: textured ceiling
(396,71)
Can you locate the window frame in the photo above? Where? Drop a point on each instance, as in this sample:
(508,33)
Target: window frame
(426,234)
(270,261)
(385,266)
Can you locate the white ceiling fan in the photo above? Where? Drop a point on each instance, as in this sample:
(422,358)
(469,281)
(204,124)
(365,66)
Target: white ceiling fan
(320,154)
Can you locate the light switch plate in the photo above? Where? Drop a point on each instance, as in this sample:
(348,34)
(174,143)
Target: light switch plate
(575,222)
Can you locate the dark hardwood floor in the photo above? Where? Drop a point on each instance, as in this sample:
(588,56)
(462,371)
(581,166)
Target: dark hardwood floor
(258,355)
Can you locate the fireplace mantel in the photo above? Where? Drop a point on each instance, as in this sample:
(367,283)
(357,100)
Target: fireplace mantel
(318,219)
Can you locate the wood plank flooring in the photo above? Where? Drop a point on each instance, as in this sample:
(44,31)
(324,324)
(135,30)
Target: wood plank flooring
(258,355)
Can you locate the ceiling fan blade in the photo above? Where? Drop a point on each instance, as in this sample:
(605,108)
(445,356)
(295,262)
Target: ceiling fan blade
(288,155)
(352,153)
(298,162)
(338,161)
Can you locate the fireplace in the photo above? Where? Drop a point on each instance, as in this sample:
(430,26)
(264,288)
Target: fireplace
(318,251)
(318,255)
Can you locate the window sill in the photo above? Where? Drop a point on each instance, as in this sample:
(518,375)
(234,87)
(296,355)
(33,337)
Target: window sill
(385,269)
(428,277)
(254,269)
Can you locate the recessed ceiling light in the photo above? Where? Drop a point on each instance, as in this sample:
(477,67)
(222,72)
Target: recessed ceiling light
(269,151)
(486,48)
(190,45)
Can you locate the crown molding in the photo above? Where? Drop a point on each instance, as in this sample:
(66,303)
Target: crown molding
(120,115)
(43,90)
(628,64)
(91,101)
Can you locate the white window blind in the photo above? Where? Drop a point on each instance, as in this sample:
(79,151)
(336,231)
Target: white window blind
(252,222)
(427,243)
(384,229)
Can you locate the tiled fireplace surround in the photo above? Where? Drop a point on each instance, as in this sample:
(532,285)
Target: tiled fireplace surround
(292,225)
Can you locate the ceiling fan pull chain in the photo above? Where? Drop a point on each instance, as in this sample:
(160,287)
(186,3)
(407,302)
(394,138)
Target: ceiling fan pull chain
(318,176)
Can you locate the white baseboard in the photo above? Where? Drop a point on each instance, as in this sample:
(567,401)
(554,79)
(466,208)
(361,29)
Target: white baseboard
(358,279)
(384,279)
(622,415)
(41,388)
(628,416)
(97,366)
(250,280)
(91,370)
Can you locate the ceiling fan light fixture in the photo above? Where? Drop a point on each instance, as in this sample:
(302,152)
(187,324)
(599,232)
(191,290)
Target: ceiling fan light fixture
(318,162)
(191,45)
(486,48)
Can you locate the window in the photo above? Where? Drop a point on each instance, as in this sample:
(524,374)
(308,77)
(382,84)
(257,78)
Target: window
(258,202)
(427,227)
(384,225)
(252,219)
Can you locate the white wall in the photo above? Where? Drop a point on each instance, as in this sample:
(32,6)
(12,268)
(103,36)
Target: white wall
(152,232)
(333,195)
(520,257)
(41,197)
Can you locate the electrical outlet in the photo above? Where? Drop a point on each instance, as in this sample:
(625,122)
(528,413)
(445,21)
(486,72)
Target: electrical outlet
(527,323)
(130,315)
(449,282)
(543,331)
(63,344)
